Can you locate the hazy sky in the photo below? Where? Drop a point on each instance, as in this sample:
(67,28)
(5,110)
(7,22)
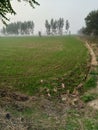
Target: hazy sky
(73,10)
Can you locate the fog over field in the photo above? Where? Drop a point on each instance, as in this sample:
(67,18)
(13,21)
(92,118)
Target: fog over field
(73,10)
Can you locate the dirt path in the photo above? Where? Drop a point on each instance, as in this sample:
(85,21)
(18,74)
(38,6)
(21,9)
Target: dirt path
(93,57)
(94,63)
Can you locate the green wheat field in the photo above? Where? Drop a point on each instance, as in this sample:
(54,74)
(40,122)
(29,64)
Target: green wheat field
(32,64)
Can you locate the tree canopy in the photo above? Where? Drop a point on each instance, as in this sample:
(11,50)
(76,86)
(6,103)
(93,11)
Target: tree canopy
(6,7)
(56,26)
(19,28)
(91,24)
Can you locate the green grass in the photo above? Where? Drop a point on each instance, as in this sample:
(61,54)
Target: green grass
(88,97)
(25,61)
(82,120)
(90,83)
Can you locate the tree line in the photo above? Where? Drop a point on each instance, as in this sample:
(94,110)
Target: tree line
(91,22)
(19,28)
(56,27)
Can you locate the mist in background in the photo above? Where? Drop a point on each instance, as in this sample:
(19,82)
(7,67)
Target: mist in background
(73,10)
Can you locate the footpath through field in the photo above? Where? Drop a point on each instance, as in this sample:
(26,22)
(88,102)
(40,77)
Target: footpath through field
(93,57)
(94,63)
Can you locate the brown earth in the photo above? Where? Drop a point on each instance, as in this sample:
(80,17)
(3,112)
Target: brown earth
(93,56)
(21,112)
(94,64)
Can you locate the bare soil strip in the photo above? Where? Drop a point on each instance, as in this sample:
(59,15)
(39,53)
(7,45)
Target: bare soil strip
(94,63)
(93,57)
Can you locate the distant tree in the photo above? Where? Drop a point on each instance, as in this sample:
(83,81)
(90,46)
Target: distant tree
(57,26)
(48,27)
(19,27)
(5,8)
(52,24)
(23,28)
(82,31)
(12,29)
(60,26)
(3,31)
(31,27)
(67,26)
(92,23)
(39,33)
(54,27)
